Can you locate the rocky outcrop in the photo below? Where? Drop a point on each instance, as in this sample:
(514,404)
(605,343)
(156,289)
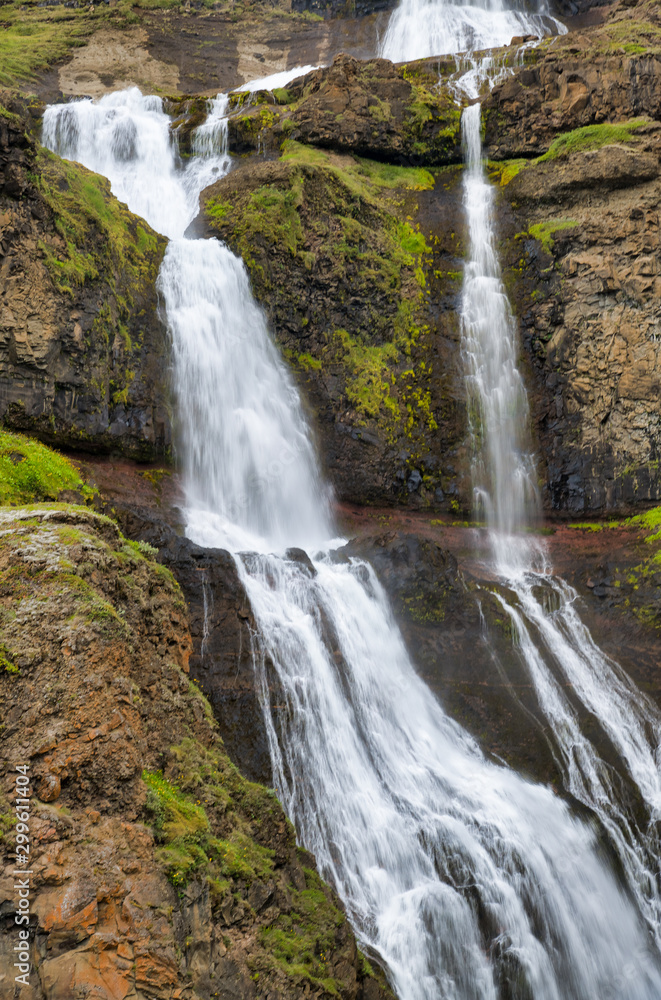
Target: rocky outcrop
(374,109)
(83,354)
(357,266)
(607,73)
(156,868)
(584,268)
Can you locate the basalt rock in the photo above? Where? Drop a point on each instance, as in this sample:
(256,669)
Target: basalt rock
(372,108)
(610,72)
(443,614)
(83,353)
(221,625)
(584,272)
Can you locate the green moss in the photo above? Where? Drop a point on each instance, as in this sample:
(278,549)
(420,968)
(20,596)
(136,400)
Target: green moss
(412,241)
(241,857)
(591,137)
(7,664)
(433,127)
(10,117)
(631,36)
(7,820)
(301,941)
(505,171)
(30,41)
(29,471)
(308,363)
(369,385)
(545,231)
(346,219)
(86,215)
(360,174)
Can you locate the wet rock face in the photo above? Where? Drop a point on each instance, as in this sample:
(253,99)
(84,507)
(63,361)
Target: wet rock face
(157,869)
(83,354)
(221,626)
(585,273)
(459,643)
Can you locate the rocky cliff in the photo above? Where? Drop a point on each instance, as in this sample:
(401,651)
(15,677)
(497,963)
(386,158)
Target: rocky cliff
(572,136)
(157,869)
(579,130)
(83,354)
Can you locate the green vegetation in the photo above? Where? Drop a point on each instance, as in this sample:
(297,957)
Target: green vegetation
(29,471)
(98,239)
(7,664)
(588,137)
(349,223)
(204,783)
(33,39)
(646,572)
(361,175)
(632,37)
(504,171)
(99,233)
(430,105)
(301,941)
(591,137)
(7,820)
(545,231)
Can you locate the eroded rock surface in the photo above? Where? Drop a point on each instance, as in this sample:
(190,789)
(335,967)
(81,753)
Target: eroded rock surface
(83,354)
(584,257)
(157,869)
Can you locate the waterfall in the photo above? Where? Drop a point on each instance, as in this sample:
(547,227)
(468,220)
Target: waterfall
(506,496)
(420,29)
(464,880)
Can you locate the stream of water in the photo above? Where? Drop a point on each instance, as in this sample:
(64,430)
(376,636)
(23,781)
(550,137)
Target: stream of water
(467,882)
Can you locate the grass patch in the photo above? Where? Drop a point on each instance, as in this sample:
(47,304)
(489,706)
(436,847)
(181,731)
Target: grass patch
(30,472)
(591,137)
(503,172)
(32,41)
(360,173)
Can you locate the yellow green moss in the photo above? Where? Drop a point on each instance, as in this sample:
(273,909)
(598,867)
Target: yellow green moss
(29,471)
(545,231)
(591,137)
(301,941)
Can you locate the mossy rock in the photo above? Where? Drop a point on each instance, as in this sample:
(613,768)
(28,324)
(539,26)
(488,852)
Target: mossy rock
(352,279)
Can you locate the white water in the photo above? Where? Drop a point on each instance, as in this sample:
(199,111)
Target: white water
(506,495)
(419,29)
(468,882)
(276,80)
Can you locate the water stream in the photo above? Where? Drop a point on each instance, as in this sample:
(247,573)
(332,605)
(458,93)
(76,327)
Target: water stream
(467,882)
(507,498)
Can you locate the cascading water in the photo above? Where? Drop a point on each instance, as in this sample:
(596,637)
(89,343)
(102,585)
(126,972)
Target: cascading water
(420,29)
(468,882)
(506,496)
